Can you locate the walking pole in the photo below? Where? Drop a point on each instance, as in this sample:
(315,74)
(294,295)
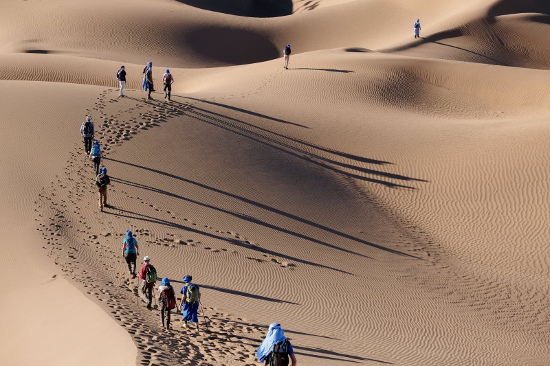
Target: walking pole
(203,316)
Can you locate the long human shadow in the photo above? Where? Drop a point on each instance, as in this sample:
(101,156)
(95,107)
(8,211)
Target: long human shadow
(321,148)
(430,40)
(237,215)
(297,152)
(267,208)
(137,216)
(246,111)
(328,70)
(320,353)
(244,294)
(301,154)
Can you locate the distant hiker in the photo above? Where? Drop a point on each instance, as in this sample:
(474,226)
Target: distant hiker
(276,348)
(167,301)
(417,28)
(286,52)
(121,76)
(167,79)
(130,251)
(148,275)
(102,181)
(190,301)
(87,132)
(95,156)
(148,79)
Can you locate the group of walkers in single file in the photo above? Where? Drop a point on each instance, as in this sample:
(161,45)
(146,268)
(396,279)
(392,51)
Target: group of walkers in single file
(276,348)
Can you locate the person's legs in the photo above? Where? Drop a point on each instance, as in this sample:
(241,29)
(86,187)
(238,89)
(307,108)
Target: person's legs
(122,84)
(165,90)
(149,89)
(168,318)
(287,59)
(87,144)
(131,259)
(150,294)
(169,91)
(162,313)
(100,203)
(97,161)
(103,191)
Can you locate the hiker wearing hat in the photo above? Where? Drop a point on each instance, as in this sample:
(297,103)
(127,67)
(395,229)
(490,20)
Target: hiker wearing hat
(102,180)
(276,348)
(190,301)
(148,275)
(286,52)
(148,79)
(95,156)
(121,76)
(130,251)
(167,301)
(87,132)
(417,28)
(167,79)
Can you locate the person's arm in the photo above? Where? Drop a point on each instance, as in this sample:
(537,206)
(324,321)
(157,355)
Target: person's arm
(123,248)
(293,359)
(137,249)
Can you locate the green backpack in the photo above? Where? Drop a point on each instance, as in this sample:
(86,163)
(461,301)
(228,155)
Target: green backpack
(192,294)
(150,274)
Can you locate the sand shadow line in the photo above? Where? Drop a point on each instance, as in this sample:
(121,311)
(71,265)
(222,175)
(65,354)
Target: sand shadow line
(268,208)
(137,216)
(328,70)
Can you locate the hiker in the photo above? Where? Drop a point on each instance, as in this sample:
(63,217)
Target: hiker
(167,301)
(148,79)
(130,251)
(417,28)
(167,79)
(286,53)
(95,156)
(87,132)
(276,349)
(121,76)
(102,181)
(190,301)
(148,275)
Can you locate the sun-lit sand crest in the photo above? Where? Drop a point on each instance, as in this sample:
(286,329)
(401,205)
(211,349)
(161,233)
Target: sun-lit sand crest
(385,199)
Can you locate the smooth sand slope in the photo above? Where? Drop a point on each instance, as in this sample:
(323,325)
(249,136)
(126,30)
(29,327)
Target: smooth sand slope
(385,199)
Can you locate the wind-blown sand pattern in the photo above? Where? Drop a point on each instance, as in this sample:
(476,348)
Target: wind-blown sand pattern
(385,199)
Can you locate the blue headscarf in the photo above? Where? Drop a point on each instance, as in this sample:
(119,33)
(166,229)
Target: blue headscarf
(165,281)
(103,170)
(275,334)
(128,234)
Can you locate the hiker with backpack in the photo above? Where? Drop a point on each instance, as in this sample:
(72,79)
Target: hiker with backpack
(167,79)
(417,28)
(95,156)
(286,52)
(167,301)
(102,180)
(130,251)
(121,76)
(276,349)
(148,275)
(190,301)
(148,79)
(87,132)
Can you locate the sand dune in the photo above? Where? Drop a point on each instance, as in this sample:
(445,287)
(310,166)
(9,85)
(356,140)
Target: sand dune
(384,199)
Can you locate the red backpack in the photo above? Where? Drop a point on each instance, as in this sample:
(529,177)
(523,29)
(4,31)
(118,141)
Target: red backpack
(168,297)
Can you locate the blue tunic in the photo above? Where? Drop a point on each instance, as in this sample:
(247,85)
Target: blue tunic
(190,311)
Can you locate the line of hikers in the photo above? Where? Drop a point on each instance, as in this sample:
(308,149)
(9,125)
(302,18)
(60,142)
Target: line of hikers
(147,82)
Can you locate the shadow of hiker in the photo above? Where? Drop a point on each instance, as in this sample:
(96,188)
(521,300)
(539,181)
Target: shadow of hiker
(329,70)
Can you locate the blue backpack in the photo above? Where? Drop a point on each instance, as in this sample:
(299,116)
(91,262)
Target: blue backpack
(131,245)
(96,150)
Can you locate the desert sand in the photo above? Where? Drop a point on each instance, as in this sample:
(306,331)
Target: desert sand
(385,199)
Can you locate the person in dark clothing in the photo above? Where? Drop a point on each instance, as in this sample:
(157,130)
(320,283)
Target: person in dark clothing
(102,181)
(130,251)
(148,79)
(87,132)
(167,79)
(147,287)
(286,52)
(121,76)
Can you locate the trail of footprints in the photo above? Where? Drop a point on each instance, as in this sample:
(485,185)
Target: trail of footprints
(76,236)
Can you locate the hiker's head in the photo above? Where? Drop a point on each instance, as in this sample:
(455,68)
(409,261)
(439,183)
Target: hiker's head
(187,279)
(287,46)
(103,170)
(146,259)
(165,281)
(128,234)
(122,67)
(417,20)
(150,63)
(96,142)
(88,118)
(167,71)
